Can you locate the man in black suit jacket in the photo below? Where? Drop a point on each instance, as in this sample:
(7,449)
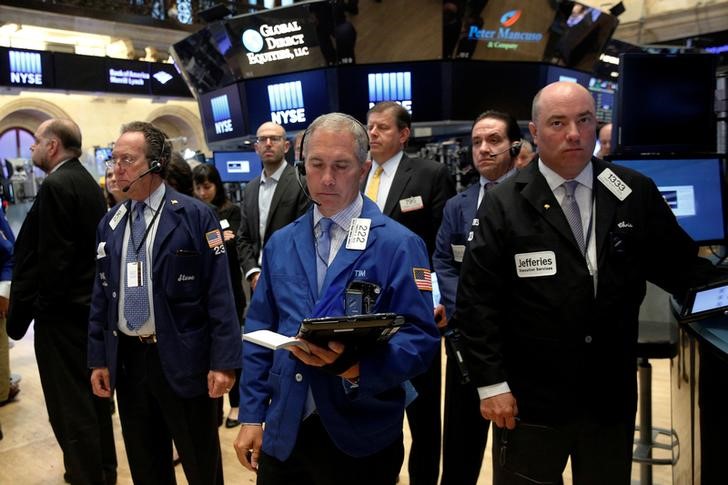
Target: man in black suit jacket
(52,283)
(413,192)
(549,308)
(275,194)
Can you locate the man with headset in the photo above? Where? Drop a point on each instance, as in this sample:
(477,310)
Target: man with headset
(332,417)
(496,142)
(163,329)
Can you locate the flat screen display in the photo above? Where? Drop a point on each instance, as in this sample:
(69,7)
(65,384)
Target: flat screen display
(165,80)
(25,68)
(665,104)
(280,40)
(125,76)
(237,166)
(222,113)
(417,86)
(292,100)
(693,189)
(200,58)
(604,93)
(81,73)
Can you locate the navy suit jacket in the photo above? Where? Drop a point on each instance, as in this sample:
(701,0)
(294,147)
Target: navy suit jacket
(196,323)
(457,220)
(274,386)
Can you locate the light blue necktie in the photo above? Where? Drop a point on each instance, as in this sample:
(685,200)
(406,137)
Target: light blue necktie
(136,299)
(323,248)
(573,214)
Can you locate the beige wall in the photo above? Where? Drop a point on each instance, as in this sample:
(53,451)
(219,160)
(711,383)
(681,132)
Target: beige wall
(101,116)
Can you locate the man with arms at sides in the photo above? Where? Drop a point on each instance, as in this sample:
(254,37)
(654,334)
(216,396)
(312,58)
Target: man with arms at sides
(413,192)
(605,141)
(163,330)
(331,419)
(496,140)
(52,280)
(270,201)
(549,296)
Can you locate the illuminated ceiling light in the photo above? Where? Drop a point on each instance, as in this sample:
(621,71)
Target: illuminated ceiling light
(9,29)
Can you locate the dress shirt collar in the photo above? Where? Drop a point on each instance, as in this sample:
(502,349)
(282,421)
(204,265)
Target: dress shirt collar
(344,216)
(554,180)
(500,179)
(275,176)
(389,167)
(58,166)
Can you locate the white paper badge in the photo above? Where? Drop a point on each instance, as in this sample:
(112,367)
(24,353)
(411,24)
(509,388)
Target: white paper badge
(101,250)
(458,251)
(134,274)
(476,222)
(358,234)
(117,217)
(615,184)
(224,224)
(411,204)
(539,263)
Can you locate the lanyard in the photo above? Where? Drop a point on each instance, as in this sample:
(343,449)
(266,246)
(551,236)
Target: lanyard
(148,228)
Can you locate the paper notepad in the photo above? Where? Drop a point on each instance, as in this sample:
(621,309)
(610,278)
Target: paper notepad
(275,341)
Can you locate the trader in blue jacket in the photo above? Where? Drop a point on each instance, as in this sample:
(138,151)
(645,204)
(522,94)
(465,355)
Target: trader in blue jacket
(496,142)
(163,328)
(329,419)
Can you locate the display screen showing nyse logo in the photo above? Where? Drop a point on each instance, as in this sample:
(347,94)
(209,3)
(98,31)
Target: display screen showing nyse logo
(25,68)
(286,103)
(221,114)
(391,86)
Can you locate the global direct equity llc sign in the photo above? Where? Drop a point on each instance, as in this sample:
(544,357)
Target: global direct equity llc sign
(505,37)
(280,41)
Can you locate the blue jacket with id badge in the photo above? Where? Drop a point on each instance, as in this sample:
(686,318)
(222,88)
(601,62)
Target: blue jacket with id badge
(366,419)
(196,324)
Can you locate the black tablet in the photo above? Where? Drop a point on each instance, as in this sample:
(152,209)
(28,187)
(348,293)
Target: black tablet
(705,301)
(362,330)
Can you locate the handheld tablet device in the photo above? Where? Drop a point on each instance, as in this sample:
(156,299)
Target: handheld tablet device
(705,301)
(362,330)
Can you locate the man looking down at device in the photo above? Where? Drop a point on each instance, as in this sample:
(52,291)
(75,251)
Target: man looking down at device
(332,413)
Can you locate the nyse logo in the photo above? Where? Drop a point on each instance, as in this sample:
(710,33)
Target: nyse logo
(25,68)
(391,86)
(286,103)
(221,114)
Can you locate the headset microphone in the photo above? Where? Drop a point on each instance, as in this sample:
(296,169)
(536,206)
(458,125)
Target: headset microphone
(300,172)
(155,167)
(514,149)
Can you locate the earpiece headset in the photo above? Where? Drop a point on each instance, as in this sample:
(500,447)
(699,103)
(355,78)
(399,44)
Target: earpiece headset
(515,149)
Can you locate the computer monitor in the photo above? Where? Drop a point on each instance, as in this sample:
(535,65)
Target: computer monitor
(665,104)
(693,188)
(222,113)
(237,166)
(604,93)
(291,100)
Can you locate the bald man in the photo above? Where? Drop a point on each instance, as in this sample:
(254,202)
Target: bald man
(270,201)
(605,140)
(55,259)
(549,297)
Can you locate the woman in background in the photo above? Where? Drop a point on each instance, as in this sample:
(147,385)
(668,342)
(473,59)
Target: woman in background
(208,188)
(113,192)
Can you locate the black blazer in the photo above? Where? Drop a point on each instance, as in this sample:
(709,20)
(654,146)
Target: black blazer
(429,180)
(55,251)
(562,349)
(288,203)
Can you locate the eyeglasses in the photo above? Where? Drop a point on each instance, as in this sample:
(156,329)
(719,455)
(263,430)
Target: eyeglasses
(125,162)
(272,139)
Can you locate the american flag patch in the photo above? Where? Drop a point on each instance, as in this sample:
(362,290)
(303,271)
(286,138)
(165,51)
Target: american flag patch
(423,279)
(214,238)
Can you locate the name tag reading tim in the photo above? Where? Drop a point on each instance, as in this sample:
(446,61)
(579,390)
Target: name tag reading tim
(358,234)
(539,263)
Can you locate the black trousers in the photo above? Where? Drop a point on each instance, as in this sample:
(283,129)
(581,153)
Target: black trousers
(465,431)
(152,415)
(81,421)
(423,416)
(317,461)
(601,453)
